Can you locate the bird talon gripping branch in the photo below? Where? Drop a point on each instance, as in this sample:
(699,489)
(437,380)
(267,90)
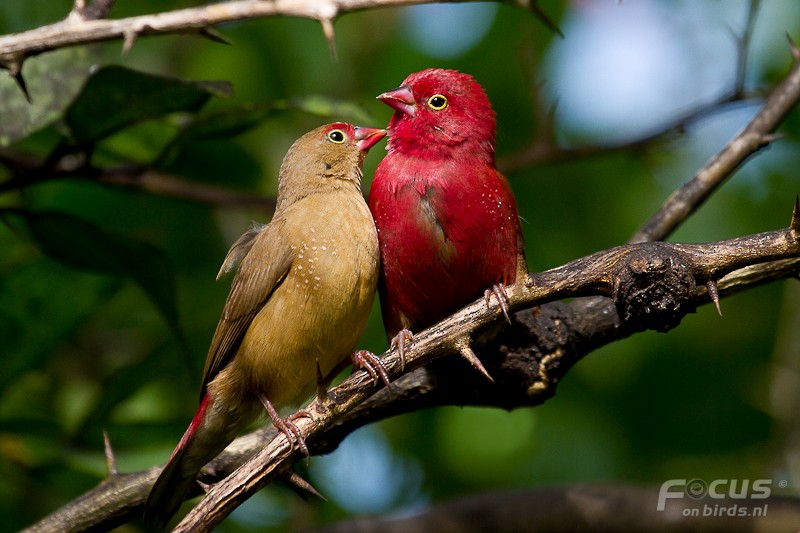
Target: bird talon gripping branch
(401,342)
(499,292)
(372,365)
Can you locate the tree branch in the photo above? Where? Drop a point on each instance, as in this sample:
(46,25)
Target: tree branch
(642,285)
(85,25)
(754,137)
(584,507)
(527,360)
(653,286)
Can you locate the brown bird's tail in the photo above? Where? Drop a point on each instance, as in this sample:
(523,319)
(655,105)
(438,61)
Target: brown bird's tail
(199,445)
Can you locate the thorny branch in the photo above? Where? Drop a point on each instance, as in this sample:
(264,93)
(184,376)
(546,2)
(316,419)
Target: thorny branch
(87,24)
(545,148)
(662,282)
(651,285)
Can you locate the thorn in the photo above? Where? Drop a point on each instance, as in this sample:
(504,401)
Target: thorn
(711,285)
(499,292)
(330,35)
(78,8)
(795,225)
(793,48)
(299,483)
(111,460)
(22,86)
(768,138)
(400,341)
(14,67)
(128,39)
(463,347)
(547,21)
(214,35)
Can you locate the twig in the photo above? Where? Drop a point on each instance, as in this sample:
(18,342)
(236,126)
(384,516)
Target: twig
(743,45)
(757,134)
(78,28)
(545,149)
(583,507)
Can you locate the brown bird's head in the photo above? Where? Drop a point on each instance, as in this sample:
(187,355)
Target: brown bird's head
(325,159)
(441,113)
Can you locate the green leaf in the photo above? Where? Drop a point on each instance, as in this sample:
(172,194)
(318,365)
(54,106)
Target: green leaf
(227,123)
(86,246)
(233,121)
(323,106)
(115,97)
(32,292)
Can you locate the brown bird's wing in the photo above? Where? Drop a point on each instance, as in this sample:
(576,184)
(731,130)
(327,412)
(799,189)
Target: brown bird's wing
(264,256)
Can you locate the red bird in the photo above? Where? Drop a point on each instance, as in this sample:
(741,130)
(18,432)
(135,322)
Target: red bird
(448,227)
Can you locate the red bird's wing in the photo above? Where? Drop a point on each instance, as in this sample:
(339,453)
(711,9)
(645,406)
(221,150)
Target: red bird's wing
(479,214)
(264,260)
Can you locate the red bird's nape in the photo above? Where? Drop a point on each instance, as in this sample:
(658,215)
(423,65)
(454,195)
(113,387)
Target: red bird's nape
(447,220)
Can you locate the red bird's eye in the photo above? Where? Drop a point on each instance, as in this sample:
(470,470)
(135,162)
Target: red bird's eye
(437,102)
(336,136)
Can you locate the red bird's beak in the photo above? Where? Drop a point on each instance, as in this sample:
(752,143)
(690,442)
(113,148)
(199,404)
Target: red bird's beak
(400,99)
(367,137)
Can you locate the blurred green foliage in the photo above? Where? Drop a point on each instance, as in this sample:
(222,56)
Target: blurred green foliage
(108,298)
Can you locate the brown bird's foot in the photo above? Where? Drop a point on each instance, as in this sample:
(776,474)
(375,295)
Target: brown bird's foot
(400,341)
(499,292)
(369,362)
(287,425)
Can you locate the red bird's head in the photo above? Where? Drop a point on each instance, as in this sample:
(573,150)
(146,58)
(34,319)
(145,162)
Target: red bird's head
(441,113)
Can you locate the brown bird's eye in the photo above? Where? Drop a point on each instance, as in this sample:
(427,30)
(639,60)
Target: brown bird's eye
(437,102)
(336,136)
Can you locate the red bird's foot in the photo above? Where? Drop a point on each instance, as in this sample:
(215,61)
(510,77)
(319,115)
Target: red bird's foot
(399,341)
(287,425)
(499,292)
(369,362)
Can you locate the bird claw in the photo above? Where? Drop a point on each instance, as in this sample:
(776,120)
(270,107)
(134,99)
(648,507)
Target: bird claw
(499,292)
(369,362)
(399,341)
(287,425)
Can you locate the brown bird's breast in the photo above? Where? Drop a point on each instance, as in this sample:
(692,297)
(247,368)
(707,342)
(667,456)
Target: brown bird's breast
(319,310)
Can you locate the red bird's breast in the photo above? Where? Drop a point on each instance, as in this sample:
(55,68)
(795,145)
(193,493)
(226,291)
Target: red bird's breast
(447,232)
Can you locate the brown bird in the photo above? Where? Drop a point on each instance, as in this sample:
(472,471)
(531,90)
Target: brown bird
(301,295)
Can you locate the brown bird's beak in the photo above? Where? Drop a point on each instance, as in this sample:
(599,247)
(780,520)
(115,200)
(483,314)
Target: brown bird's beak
(367,137)
(400,99)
